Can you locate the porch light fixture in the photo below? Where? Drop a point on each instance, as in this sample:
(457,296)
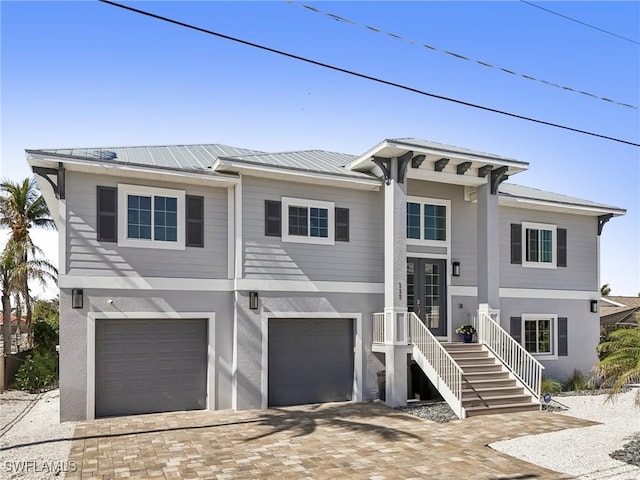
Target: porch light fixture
(77,298)
(594,306)
(456,269)
(253,300)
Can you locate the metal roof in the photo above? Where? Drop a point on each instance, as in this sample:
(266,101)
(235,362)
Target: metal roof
(314,161)
(519,191)
(175,157)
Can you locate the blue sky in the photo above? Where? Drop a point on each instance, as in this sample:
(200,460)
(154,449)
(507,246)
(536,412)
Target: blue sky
(85,74)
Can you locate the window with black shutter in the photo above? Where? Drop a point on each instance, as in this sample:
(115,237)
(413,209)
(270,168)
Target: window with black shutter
(107,214)
(563,337)
(516,243)
(195,221)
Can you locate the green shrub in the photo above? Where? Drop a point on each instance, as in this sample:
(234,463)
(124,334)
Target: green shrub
(45,336)
(37,372)
(577,382)
(550,385)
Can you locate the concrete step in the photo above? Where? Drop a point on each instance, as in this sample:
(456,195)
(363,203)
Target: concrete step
(491,401)
(472,377)
(475,368)
(508,408)
(476,360)
(469,393)
(492,383)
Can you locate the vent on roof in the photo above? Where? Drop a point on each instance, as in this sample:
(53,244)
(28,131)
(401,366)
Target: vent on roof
(104,154)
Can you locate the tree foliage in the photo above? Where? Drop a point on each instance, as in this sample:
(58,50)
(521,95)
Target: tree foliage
(620,360)
(605,290)
(21,208)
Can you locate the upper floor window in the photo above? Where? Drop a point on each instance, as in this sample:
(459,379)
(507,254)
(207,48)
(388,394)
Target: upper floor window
(539,245)
(151,217)
(308,221)
(427,220)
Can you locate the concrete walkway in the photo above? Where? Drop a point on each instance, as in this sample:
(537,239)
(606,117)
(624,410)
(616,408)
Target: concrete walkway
(330,441)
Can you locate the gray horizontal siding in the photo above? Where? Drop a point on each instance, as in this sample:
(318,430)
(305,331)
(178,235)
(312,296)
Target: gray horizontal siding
(582,247)
(464,238)
(87,256)
(359,260)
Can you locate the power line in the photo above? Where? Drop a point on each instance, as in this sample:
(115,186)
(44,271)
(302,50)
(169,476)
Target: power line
(581,23)
(456,55)
(362,75)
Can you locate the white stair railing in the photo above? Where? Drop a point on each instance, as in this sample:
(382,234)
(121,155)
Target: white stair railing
(514,356)
(378,328)
(435,361)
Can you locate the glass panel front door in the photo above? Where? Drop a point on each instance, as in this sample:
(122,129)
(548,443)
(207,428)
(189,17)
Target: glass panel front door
(427,292)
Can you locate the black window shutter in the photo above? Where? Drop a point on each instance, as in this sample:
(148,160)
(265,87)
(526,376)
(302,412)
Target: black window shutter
(195,221)
(272,218)
(563,340)
(562,247)
(107,216)
(516,243)
(342,224)
(516,329)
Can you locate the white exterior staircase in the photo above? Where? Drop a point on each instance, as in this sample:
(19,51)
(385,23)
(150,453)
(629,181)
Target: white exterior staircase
(486,386)
(495,375)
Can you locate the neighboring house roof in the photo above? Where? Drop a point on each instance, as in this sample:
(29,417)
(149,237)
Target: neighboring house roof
(615,310)
(216,159)
(518,191)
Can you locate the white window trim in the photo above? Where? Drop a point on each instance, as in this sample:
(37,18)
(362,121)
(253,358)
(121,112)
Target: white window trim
(554,245)
(554,338)
(430,201)
(123,191)
(300,202)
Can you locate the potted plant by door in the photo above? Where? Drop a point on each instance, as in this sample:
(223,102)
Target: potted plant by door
(466,333)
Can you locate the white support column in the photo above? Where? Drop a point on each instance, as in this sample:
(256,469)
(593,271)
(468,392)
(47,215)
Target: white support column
(488,247)
(395,287)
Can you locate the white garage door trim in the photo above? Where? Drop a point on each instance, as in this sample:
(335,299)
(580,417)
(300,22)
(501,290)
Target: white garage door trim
(92,317)
(358,367)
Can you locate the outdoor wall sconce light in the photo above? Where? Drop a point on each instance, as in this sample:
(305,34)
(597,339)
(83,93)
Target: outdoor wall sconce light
(76,298)
(594,306)
(253,300)
(456,269)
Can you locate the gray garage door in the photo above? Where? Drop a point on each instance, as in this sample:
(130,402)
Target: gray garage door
(148,366)
(310,360)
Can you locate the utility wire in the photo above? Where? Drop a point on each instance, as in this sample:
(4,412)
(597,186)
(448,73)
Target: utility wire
(581,23)
(362,75)
(459,56)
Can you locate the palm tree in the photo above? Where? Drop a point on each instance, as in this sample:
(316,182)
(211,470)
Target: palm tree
(605,290)
(15,272)
(22,207)
(620,360)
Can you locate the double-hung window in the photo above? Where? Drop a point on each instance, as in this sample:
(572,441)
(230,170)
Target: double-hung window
(308,221)
(151,217)
(539,245)
(427,221)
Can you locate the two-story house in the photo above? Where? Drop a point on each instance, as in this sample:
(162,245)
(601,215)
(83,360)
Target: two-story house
(208,276)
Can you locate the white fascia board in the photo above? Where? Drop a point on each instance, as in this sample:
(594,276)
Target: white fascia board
(366,156)
(557,207)
(611,302)
(265,171)
(113,282)
(132,171)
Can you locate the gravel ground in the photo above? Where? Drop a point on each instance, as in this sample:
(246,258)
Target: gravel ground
(33,444)
(434,411)
(585,452)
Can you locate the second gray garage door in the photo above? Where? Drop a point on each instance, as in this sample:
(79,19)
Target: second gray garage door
(310,360)
(148,366)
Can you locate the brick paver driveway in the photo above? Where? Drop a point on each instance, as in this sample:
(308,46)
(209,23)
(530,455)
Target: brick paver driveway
(336,440)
